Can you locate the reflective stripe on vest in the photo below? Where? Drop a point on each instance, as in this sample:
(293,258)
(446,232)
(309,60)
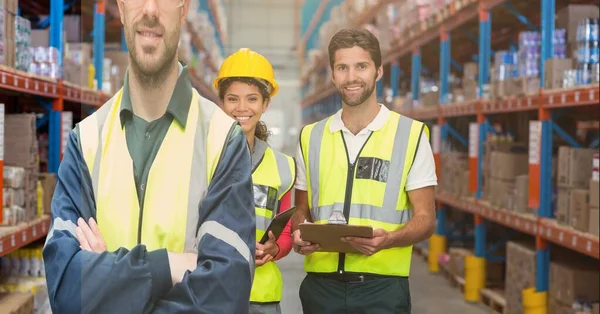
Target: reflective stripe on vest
(177,182)
(373,189)
(275,173)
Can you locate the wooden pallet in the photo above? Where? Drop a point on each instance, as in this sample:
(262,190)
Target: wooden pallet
(454,280)
(493,299)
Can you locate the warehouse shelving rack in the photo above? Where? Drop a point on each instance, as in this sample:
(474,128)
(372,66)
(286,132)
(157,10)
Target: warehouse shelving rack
(457,14)
(55,95)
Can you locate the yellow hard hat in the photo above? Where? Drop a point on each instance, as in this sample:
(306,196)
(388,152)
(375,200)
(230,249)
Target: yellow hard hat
(247,63)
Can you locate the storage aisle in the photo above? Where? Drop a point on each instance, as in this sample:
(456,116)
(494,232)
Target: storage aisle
(429,293)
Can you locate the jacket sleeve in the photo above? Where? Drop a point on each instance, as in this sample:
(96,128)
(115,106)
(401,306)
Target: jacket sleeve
(124,281)
(222,280)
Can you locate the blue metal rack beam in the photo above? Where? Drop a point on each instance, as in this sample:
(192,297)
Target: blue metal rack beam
(444,67)
(448,130)
(520,16)
(54,127)
(99,41)
(416,74)
(395,78)
(565,136)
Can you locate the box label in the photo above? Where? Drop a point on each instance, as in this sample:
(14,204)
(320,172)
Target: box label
(67,126)
(436,138)
(1,131)
(535,143)
(473,139)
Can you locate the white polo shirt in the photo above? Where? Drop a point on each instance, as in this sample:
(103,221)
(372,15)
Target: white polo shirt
(420,175)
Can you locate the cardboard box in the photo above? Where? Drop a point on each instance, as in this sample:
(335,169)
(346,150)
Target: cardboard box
(571,15)
(470,71)
(470,90)
(16,303)
(48,181)
(20,140)
(513,87)
(555,307)
(594,191)
(520,273)
(502,193)
(571,281)
(579,210)
(596,308)
(593,226)
(494,270)
(554,72)
(575,167)
(507,166)
(530,86)
(563,203)
(521,204)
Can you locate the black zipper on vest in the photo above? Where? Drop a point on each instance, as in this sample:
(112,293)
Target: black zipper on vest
(348,195)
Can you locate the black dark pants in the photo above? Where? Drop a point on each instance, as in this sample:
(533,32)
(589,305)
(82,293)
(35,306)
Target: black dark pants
(321,295)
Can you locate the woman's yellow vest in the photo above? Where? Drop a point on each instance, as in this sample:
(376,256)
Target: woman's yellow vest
(273,177)
(369,192)
(177,182)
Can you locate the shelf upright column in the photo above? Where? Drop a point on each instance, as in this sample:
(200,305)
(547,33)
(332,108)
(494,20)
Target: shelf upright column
(395,79)
(540,160)
(444,64)
(475,266)
(123,40)
(1,161)
(415,76)
(438,241)
(99,29)
(55,121)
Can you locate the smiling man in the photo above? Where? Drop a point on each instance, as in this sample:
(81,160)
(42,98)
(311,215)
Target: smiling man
(374,167)
(153,207)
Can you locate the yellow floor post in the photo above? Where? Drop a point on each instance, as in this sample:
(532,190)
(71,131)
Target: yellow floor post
(474,277)
(535,302)
(437,246)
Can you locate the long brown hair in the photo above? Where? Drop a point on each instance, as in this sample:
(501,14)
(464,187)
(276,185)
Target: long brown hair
(261,131)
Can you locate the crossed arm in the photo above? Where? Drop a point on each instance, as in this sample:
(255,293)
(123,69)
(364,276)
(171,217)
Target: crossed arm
(136,280)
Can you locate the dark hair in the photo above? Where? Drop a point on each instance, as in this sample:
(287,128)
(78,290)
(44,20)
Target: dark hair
(348,38)
(261,132)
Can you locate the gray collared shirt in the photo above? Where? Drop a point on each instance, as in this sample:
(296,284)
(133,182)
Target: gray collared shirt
(145,138)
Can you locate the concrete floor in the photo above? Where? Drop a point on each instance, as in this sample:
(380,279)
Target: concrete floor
(430,293)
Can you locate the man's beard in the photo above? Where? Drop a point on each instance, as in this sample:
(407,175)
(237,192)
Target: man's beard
(368,91)
(153,73)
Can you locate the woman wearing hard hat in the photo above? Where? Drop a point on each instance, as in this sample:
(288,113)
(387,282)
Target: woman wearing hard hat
(246,83)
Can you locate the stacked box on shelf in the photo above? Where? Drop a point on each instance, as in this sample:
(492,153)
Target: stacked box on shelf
(594,190)
(10,11)
(469,81)
(21,150)
(573,180)
(78,65)
(520,273)
(503,162)
(455,164)
(45,62)
(23,52)
(581,24)
(573,282)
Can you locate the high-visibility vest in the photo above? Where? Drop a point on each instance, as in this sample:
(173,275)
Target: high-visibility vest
(273,178)
(369,192)
(177,182)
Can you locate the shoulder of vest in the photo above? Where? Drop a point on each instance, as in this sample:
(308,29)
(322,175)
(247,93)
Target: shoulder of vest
(103,110)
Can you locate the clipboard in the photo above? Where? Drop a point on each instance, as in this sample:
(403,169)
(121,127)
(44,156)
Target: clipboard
(329,236)
(278,224)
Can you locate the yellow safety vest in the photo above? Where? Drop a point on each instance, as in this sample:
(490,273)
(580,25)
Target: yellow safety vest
(369,192)
(177,182)
(273,177)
